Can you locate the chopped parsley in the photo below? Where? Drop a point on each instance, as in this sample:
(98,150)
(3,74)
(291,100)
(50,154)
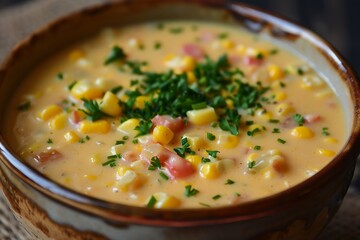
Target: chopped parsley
(190,191)
(116,54)
(185,148)
(325,131)
(110,163)
(49,141)
(176,30)
(212,153)
(282,141)
(299,119)
(274,51)
(83,140)
(144,128)
(210,136)
(119,142)
(24,106)
(216,197)
(276,130)
(71,85)
(260,56)
(60,76)
(116,89)
(252,133)
(248,123)
(157,45)
(229,182)
(223,35)
(251,164)
(164,176)
(274,121)
(257,147)
(231,122)
(135,141)
(205,160)
(300,71)
(204,204)
(154,163)
(92,111)
(198,106)
(151,203)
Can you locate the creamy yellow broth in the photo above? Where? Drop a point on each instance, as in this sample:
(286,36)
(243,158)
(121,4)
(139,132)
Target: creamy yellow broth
(295,129)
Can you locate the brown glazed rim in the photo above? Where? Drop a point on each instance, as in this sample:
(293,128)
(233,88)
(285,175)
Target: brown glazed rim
(124,214)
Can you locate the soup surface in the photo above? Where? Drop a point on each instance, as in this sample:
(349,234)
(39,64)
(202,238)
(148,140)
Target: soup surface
(176,115)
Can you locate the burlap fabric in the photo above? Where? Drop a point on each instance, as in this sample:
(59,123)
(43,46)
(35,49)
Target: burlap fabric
(18,21)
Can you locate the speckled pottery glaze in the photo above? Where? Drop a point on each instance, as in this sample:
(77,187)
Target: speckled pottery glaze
(50,211)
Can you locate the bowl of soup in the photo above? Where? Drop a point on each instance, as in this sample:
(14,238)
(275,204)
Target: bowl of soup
(176,120)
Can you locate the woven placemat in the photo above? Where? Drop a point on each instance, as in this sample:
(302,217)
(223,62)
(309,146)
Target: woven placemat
(18,21)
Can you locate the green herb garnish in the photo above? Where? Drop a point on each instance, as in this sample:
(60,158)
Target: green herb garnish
(216,197)
(151,203)
(71,85)
(257,147)
(116,54)
(251,164)
(50,141)
(164,176)
(282,141)
(24,106)
(143,128)
(229,182)
(92,111)
(299,119)
(212,153)
(185,148)
(325,131)
(154,163)
(189,191)
(210,136)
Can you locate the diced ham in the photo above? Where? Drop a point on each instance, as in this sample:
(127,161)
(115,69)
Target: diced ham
(47,155)
(288,123)
(177,166)
(251,60)
(193,50)
(175,124)
(75,116)
(312,118)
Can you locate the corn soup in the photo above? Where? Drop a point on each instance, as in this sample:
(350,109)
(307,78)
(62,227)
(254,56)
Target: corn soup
(176,115)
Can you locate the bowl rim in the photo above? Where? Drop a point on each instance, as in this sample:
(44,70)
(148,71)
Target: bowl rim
(193,216)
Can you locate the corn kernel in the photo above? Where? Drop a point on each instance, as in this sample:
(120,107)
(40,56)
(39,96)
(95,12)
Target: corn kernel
(139,165)
(228,141)
(202,116)
(269,174)
(229,103)
(164,200)
(279,96)
(71,137)
(195,142)
(172,61)
(100,126)
(302,132)
(95,159)
(195,160)
(58,122)
(104,83)
(188,63)
(330,140)
(264,115)
(326,152)
(129,180)
(227,44)
(275,73)
(49,112)
(210,170)
(311,82)
(90,177)
(76,55)
(83,89)
(109,104)
(117,149)
(162,134)
(134,43)
(122,170)
(191,78)
(255,126)
(128,127)
(283,109)
(252,157)
(140,101)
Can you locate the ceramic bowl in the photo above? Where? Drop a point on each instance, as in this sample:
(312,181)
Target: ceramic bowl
(50,211)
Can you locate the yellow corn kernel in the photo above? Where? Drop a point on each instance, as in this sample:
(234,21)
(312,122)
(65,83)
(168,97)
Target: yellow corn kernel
(100,126)
(95,159)
(252,157)
(191,78)
(330,140)
(283,109)
(195,160)
(71,137)
(162,134)
(128,127)
(116,149)
(49,112)
(302,132)
(262,114)
(228,141)
(188,63)
(229,103)
(210,170)
(140,101)
(164,200)
(195,142)
(269,174)
(76,55)
(58,122)
(240,49)
(291,70)
(326,152)
(275,73)
(202,116)
(279,96)
(109,104)
(90,177)
(227,44)
(83,89)
(104,83)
